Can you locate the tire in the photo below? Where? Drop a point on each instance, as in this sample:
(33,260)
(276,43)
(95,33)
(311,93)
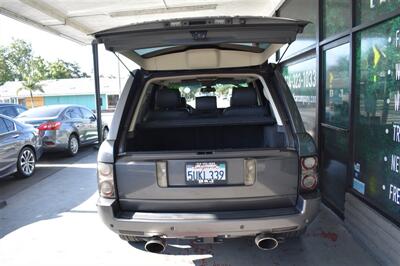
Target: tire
(26,163)
(73,145)
(105,133)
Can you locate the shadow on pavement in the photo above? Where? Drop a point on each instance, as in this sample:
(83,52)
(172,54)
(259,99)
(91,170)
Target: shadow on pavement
(44,198)
(10,185)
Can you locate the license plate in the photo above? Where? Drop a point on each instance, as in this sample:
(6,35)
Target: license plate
(206,173)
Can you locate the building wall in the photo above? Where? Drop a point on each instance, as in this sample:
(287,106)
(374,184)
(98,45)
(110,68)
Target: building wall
(85,100)
(37,101)
(348,62)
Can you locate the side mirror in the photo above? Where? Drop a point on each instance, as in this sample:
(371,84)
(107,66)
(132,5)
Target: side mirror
(93,118)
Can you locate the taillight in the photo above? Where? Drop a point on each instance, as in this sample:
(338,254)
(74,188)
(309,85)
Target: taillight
(309,174)
(50,126)
(309,163)
(105,179)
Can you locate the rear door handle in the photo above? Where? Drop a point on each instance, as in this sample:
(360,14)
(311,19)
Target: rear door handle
(15,136)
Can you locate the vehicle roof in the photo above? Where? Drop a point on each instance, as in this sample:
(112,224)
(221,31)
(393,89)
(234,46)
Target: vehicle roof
(11,104)
(61,106)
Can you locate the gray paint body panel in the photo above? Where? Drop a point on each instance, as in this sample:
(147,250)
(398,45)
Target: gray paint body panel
(12,142)
(275,186)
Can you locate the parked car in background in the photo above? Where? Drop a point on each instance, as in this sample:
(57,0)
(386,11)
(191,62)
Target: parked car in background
(20,148)
(11,110)
(64,127)
(222,168)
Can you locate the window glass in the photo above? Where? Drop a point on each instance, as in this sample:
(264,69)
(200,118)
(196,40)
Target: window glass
(86,113)
(301,78)
(3,127)
(301,9)
(20,110)
(112,101)
(9,124)
(337,86)
(336,15)
(370,10)
(73,113)
(43,111)
(222,92)
(8,111)
(377,117)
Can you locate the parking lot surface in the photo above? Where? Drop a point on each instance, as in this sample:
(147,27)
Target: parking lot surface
(54,222)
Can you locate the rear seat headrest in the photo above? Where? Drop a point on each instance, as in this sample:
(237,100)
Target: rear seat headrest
(243,97)
(205,103)
(167,99)
(183,101)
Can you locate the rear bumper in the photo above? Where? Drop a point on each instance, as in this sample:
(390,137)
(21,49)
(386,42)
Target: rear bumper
(198,225)
(54,140)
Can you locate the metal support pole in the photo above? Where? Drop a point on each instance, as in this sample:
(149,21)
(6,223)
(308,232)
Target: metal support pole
(97,90)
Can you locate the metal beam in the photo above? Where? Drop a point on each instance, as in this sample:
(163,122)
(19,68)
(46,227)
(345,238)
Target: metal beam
(95,51)
(151,11)
(39,26)
(56,14)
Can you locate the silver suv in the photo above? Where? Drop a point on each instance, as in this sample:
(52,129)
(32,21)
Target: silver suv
(206,142)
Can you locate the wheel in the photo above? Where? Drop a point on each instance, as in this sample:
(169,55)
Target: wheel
(26,163)
(73,145)
(105,133)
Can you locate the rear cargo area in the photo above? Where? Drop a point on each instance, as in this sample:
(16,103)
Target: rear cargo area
(223,122)
(232,115)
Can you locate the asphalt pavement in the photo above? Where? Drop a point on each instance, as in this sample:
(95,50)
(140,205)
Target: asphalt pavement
(54,222)
(48,164)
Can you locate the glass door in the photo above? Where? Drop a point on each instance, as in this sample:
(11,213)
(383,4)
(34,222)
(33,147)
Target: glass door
(335,120)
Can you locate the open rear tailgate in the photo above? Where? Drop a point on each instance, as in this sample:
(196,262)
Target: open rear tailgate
(253,39)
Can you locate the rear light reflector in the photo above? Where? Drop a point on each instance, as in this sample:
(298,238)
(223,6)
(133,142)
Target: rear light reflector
(309,173)
(309,162)
(249,172)
(50,126)
(105,176)
(309,182)
(161,170)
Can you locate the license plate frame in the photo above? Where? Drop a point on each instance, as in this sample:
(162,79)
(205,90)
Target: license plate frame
(206,178)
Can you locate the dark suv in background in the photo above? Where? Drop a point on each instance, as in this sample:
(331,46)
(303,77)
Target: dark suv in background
(11,110)
(206,141)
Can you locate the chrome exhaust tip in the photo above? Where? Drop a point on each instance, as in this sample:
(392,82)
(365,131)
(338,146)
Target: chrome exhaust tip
(266,242)
(155,245)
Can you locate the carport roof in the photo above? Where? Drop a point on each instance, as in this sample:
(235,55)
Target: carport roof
(77,19)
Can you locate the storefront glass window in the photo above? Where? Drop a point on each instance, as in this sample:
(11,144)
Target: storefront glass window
(370,10)
(306,10)
(337,86)
(336,16)
(377,116)
(302,80)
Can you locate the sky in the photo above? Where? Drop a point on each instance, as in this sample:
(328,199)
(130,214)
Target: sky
(52,47)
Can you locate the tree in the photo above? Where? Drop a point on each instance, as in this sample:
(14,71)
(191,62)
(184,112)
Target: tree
(17,60)
(31,77)
(5,71)
(61,69)
(18,56)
